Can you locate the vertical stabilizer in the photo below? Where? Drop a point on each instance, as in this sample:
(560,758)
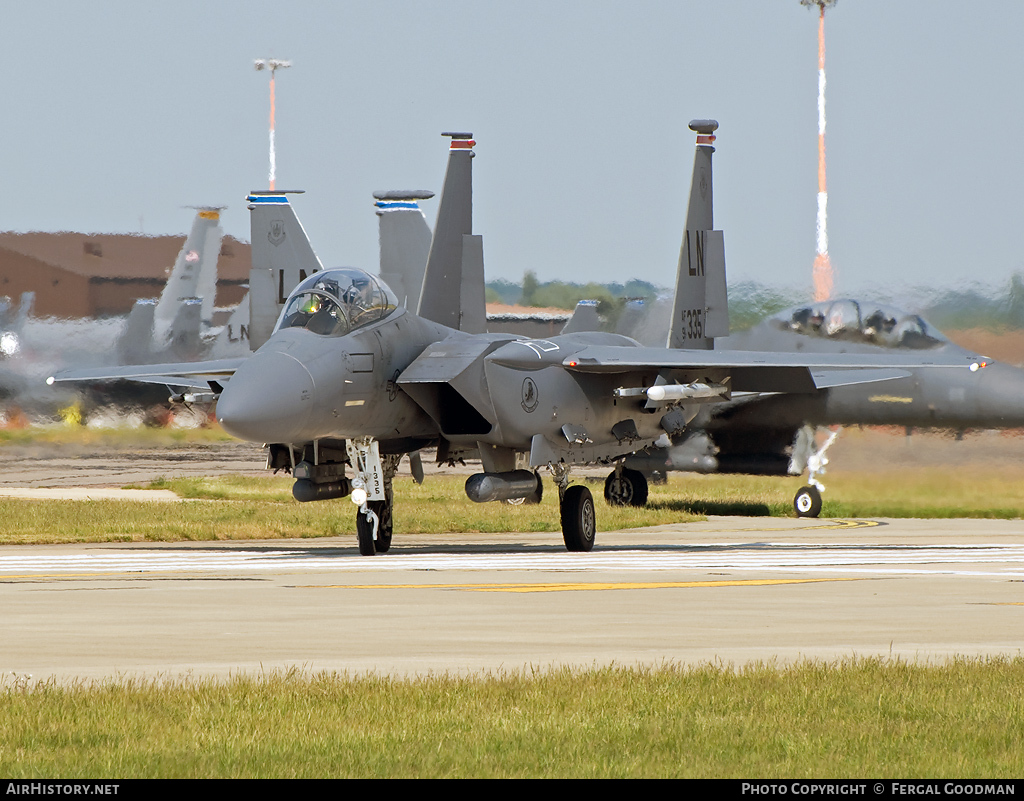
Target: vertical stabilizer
(701,310)
(233,338)
(281,258)
(472,295)
(633,314)
(404,243)
(194,274)
(584,318)
(441,297)
(25,306)
(135,343)
(184,341)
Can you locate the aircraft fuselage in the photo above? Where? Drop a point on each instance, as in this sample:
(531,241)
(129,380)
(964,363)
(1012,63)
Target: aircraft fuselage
(301,386)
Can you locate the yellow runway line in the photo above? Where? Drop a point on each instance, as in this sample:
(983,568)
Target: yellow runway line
(577,586)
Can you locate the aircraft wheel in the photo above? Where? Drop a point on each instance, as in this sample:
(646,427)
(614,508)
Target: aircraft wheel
(364,535)
(384,526)
(579,521)
(807,502)
(627,489)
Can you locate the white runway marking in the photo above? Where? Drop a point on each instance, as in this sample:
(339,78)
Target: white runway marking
(1005,561)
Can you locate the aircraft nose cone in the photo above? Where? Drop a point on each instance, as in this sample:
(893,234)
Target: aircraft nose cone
(268,399)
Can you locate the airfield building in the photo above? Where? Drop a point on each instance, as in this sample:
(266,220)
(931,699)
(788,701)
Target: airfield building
(78,275)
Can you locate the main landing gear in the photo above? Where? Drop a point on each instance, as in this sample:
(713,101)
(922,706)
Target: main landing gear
(576,508)
(807,502)
(625,487)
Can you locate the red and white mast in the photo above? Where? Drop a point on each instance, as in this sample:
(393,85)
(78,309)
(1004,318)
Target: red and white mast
(823,278)
(273,65)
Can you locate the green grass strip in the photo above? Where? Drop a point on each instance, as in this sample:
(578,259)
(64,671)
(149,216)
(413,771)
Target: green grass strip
(853,719)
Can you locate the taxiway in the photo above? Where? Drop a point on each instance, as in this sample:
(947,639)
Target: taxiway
(731,590)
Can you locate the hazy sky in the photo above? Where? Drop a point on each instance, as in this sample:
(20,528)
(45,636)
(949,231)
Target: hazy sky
(118,114)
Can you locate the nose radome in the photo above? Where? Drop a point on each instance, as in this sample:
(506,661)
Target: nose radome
(268,399)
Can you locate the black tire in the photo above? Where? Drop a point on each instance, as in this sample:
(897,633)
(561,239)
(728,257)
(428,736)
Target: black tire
(628,489)
(807,502)
(384,525)
(364,535)
(579,520)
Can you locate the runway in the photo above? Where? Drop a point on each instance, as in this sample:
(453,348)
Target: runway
(731,590)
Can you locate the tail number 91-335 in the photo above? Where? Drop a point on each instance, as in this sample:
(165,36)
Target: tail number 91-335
(693,323)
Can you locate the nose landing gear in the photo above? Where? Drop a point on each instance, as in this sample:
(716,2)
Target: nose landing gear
(372,492)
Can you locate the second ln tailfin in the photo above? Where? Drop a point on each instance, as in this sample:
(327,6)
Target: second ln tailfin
(281,258)
(701,308)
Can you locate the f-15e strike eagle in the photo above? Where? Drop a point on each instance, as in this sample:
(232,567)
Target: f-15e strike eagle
(349,380)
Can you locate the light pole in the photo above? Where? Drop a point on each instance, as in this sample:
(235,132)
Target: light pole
(824,280)
(273,65)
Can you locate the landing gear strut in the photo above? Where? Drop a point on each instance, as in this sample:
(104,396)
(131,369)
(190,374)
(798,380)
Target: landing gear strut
(625,487)
(373,493)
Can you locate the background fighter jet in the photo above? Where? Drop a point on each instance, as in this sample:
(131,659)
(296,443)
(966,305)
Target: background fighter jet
(771,434)
(774,435)
(349,379)
(177,325)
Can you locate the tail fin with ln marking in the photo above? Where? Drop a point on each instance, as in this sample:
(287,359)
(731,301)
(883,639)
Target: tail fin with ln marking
(701,308)
(281,258)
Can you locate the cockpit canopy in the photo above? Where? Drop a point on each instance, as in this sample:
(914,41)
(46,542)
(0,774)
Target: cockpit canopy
(854,321)
(334,302)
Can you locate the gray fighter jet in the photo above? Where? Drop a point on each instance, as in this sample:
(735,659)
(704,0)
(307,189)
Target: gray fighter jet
(349,380)
(777,434)
(177,325)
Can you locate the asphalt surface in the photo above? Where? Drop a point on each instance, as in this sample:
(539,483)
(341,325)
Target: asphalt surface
(732,590)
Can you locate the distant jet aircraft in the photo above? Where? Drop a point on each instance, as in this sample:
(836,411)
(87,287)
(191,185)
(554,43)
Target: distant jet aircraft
(776,434)
(177,325)
(350,380)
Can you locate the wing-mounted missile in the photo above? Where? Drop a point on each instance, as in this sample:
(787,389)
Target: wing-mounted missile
(701,308)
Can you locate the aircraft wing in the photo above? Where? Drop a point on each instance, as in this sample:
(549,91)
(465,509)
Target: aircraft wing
(193,375)
(766,372)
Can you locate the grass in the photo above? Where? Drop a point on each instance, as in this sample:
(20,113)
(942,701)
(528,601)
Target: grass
(244,507)
(122,437)
(241,508)
(927,492)
(855,719)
